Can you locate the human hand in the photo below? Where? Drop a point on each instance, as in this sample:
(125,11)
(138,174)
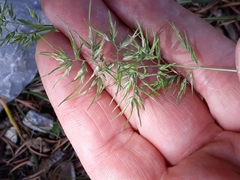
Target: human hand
(193,140)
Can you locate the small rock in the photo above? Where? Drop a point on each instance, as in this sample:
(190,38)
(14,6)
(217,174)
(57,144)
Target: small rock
(11,134)
(39,122)
(56,157)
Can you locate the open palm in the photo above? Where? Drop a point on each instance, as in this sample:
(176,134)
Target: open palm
(194,140)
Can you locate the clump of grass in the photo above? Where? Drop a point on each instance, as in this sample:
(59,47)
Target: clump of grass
(130,72)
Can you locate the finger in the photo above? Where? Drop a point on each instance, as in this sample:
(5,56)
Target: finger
(99,142)
(220,89)
(237,55)
(176,130)
(217,160)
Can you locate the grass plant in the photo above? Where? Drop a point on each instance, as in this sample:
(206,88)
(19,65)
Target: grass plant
(129,73)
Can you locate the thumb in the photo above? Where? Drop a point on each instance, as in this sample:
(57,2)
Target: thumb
(237,53)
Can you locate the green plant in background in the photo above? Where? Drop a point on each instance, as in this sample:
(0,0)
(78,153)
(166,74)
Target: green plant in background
(129,73)
(7,17)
